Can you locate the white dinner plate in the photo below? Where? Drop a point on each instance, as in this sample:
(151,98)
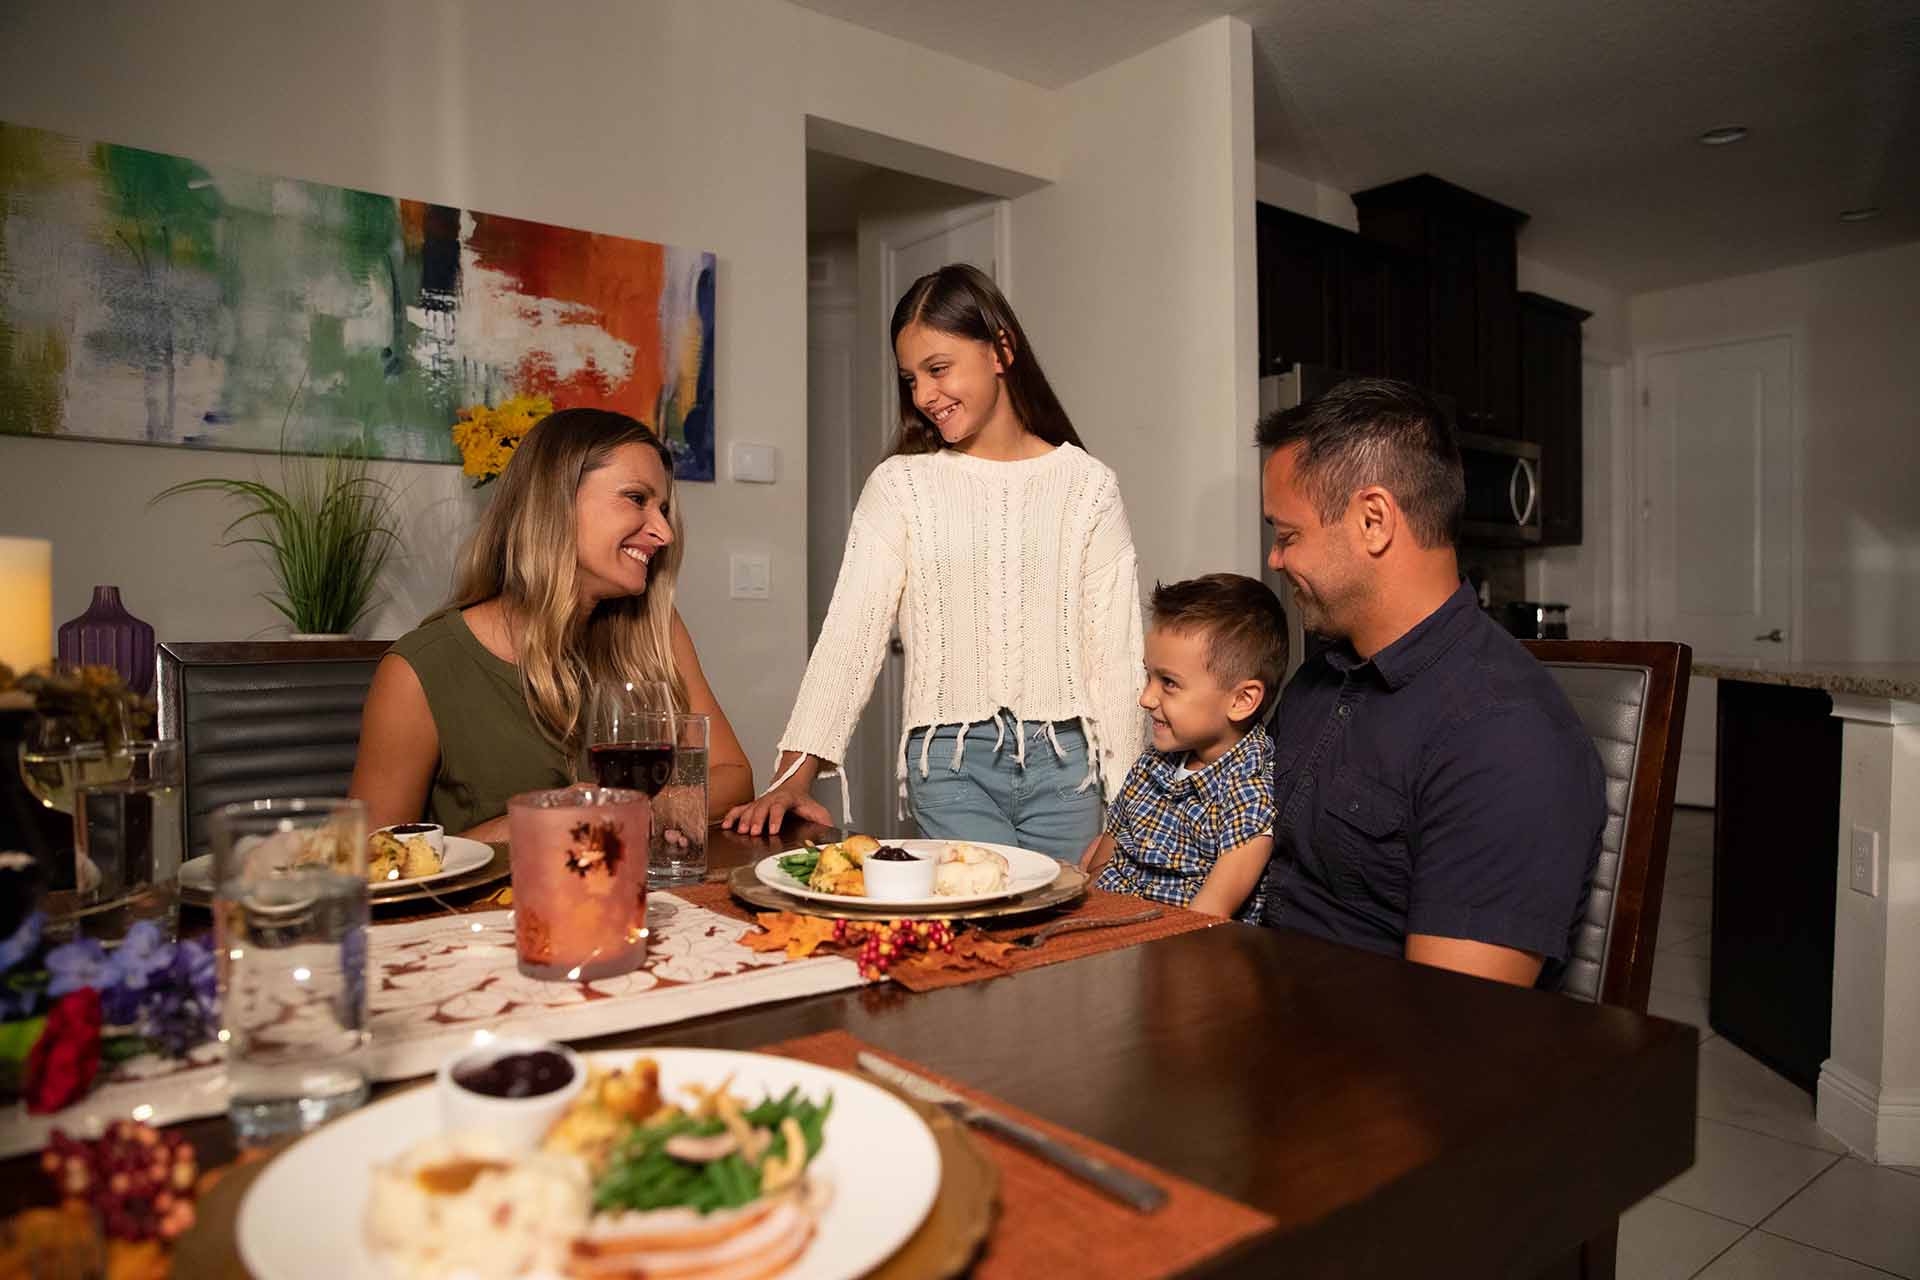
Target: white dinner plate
(461,856)
(301,1219)
(1026,871)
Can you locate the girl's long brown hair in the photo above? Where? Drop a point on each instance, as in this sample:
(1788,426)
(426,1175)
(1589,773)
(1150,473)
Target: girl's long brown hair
(959,299)
(524,555)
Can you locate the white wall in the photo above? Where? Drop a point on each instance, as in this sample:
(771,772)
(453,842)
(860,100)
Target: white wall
(1859,383)
(1134,277)
(681,121)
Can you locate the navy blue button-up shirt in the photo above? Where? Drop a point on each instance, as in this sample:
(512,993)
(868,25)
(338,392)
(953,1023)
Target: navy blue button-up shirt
(1443,787)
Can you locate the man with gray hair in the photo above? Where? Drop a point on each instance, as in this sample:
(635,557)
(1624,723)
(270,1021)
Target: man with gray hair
(1434,794)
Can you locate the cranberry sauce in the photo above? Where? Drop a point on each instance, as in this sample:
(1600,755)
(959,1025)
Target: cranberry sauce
(892,853)
(517,1075)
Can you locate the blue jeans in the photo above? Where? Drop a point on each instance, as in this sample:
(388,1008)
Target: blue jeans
(993,798)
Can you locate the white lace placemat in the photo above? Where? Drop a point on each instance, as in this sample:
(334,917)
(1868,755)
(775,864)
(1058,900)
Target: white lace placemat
(433,984)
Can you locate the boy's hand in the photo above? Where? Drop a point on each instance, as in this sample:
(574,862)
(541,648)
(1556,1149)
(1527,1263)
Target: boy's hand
(1098,854)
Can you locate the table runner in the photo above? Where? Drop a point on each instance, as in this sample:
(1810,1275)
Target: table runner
(432,984)
(1097,905)
(1052,1224)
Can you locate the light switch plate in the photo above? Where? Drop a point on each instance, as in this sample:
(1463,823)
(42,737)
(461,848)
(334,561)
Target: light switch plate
(753,463)
(1866,862)
(750,575)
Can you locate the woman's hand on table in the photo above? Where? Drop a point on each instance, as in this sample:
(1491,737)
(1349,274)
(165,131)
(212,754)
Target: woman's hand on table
(765,814)
(492,831)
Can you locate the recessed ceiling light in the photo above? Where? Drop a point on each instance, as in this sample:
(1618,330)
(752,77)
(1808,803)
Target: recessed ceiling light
(1860,214)
(1722,136)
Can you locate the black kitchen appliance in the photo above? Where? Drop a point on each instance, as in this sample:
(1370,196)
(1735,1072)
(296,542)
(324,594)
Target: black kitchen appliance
(1536,619)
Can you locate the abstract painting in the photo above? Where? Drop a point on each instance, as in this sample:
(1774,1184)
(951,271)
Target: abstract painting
(150,298)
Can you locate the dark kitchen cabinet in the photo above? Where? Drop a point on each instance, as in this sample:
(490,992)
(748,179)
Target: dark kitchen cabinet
(1465,299)
(1329,297)
(1550,410)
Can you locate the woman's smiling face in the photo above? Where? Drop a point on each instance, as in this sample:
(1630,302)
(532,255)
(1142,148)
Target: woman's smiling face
(621,523)
(954,381)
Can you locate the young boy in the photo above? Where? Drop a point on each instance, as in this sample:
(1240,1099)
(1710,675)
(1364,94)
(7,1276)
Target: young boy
(1193,823)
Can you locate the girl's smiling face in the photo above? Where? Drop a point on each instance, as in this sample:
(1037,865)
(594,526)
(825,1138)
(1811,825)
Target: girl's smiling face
(955,382)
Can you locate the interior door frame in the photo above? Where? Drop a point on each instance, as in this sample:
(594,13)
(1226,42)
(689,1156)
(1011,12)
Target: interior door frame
(1796,338)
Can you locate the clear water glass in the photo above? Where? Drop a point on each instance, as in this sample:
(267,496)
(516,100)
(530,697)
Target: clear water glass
(678,854)
(579,858)
(290,934)
(127,837)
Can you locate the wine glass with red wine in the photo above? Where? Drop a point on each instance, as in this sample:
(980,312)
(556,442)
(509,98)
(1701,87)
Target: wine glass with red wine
(630,735)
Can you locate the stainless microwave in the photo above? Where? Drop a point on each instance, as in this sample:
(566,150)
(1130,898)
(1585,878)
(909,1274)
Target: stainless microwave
(1503,491)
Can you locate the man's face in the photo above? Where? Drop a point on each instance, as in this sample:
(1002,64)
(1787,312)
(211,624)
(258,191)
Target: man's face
(1321,561)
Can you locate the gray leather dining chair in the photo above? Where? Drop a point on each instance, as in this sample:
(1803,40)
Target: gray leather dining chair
(1632,698)
(260,719)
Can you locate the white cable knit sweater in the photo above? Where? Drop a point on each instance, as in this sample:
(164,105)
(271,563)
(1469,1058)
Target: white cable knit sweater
(1015,587)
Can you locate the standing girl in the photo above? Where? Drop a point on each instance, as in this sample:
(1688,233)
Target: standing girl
(1003,549)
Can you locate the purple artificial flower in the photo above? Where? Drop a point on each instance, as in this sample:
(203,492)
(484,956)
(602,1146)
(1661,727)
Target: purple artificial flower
(194,971)
(80,963)
(24,941)
(143,955)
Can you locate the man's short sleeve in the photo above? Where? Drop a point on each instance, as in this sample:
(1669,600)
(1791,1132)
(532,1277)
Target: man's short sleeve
(1509,814)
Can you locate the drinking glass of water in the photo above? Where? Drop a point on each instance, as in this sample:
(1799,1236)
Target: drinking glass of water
(127,837)
(290,938)
(679,852)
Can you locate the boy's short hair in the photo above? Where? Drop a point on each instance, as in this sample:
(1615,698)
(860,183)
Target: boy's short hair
(1243,621)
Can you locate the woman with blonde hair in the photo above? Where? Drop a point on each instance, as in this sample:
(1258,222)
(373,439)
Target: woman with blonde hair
(568,582)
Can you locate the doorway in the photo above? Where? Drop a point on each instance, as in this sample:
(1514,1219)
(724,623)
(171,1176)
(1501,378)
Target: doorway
(871,231)
(1719,548)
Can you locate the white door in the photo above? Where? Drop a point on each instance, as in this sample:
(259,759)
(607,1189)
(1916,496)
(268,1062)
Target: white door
(900,248)
(1717,484)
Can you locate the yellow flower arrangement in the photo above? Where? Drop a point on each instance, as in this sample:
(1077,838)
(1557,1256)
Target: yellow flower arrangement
(487,437)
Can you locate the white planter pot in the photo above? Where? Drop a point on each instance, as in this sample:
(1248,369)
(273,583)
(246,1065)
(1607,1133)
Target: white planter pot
(319,635)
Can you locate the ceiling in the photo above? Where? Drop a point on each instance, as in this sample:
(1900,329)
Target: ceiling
(1583,115)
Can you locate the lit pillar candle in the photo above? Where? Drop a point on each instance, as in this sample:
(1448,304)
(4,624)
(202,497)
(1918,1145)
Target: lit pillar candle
(26,602)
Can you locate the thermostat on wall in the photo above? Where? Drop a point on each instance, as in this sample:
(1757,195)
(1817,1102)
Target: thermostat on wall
(753,463)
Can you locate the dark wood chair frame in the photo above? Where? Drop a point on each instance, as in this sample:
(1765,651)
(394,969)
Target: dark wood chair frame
(1628,974)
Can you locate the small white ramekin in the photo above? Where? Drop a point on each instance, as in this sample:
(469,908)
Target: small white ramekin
(518,1123)
(898,881)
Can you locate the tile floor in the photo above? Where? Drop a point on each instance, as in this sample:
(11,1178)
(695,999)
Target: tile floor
(1771,1194)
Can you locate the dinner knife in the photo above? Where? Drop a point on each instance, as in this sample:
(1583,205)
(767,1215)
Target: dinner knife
(1129,1189)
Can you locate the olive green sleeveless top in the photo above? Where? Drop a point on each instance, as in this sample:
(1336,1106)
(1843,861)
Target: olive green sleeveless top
(490,747)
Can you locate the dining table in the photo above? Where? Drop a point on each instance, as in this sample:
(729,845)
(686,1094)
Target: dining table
(1391,1119)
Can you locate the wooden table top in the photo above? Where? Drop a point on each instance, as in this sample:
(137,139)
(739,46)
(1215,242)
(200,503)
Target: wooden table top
(1394,1119)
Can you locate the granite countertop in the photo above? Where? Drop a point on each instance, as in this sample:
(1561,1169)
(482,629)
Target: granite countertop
(1897,680)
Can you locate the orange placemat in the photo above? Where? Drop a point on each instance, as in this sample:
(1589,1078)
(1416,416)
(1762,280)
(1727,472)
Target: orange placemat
(1052,1224)
(1097,905)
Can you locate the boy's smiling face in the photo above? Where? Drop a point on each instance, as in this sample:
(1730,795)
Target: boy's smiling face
(1193,710)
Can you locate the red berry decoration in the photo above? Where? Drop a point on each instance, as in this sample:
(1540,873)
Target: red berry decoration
(138,1179)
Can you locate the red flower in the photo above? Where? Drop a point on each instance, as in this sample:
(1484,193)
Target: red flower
(66,1057)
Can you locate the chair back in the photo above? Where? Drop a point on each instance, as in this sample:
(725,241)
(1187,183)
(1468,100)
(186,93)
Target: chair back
(1632,698)
(262,719)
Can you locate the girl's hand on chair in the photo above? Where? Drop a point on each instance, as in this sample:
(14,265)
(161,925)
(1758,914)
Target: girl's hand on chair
(768,813)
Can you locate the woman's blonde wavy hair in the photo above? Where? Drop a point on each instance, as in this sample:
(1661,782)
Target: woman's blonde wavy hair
(524,555)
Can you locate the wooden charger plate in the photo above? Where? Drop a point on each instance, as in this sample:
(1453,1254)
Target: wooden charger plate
(945,1244)
(1069,886)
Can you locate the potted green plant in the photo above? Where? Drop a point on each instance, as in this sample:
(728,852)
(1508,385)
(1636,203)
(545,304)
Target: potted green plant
(327,530)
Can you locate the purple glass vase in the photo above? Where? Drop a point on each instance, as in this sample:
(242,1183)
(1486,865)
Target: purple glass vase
(106,635)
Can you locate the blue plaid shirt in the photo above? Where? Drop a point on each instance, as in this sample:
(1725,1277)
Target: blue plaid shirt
(1168,831)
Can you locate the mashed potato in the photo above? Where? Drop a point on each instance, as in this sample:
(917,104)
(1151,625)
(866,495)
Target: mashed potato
(459,1205)
(967,869)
